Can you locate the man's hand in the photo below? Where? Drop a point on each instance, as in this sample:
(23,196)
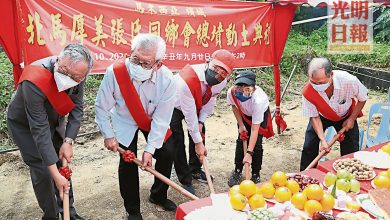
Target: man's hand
(200,151)
(147,159)
(324,146)
(247,159)
(111,144)
(66,151)
(348,124)
(242,128)
(62,184)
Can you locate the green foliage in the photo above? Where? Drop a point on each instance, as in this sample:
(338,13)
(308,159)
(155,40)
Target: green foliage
(382,25)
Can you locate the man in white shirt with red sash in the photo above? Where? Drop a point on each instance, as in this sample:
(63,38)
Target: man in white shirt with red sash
(197,89)
(138,94)
(331,98)
(250,106)
(49,90)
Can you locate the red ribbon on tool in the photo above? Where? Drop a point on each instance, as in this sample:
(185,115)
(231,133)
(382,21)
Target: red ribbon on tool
(65,172)
(128,156)
(244,136)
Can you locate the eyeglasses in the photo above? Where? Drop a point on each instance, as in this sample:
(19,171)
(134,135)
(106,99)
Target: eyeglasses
(135,60)
(63,70)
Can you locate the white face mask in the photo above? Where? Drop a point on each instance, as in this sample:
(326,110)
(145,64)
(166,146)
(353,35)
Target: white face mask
(64,82)
(321,87)
(139,73)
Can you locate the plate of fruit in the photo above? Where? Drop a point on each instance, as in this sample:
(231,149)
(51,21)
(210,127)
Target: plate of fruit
(358,169)
(382,181)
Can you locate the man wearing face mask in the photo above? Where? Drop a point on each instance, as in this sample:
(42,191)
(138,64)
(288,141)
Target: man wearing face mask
(138,95)
(250,107)
(197,89)
(48,90)
(329,100)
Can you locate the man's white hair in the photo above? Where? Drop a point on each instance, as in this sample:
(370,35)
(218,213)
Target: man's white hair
(77,53)
(319,63)
(149,41)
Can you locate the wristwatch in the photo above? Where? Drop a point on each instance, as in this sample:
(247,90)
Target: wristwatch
(69,140)
(249,152)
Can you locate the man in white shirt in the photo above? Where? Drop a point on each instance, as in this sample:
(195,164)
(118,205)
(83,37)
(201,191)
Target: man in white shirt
(329,100)
(197,89)
(250,106)
(147,107)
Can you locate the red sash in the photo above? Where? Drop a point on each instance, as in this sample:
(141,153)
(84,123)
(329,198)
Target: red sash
(192,80)
(132,100)
(266,132)
(322,106)
(44,80)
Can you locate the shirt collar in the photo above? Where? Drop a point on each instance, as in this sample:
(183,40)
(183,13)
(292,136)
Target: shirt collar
(336,81)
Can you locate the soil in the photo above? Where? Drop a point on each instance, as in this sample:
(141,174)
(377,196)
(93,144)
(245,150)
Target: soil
(95,177)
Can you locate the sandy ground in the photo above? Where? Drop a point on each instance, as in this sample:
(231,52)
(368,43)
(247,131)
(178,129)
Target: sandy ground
(95,178)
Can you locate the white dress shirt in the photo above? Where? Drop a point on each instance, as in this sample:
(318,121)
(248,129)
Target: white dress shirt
(254,107)
(346,87)
(157,96)
(186,103)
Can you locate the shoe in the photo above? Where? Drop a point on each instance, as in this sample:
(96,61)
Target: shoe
(255,178)
(136,216)
(189,188)
(200,175)
(167,205)
(235,178)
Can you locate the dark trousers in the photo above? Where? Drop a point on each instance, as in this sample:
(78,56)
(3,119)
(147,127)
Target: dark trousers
(44,187)
(183,169)
(257,158)
(129,179)
(311,145)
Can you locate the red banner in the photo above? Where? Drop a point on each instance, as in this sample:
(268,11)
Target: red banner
(192,29)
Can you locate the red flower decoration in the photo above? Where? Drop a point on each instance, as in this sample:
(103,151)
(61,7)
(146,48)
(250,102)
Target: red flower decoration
(65,172)
(244,136)
(341,138)
(128,156)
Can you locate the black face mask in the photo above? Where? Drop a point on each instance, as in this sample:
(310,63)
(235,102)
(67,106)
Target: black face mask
(210,77)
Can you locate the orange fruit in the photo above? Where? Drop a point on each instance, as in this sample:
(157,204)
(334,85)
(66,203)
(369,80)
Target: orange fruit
(304,192)
(234,189)
(314,191)
(268,190)
(382,182)
(282,194)
(293,186)
(327,202)
(386,148)
(247,188)
(312,206)
(256,201)
(299,200)
(238,201)
(279,179)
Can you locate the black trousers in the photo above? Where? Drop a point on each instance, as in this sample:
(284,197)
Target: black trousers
(311,145)
(257,158)
(183,169)
(129,178)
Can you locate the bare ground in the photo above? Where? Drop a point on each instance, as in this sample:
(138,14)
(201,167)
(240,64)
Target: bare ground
(95,178)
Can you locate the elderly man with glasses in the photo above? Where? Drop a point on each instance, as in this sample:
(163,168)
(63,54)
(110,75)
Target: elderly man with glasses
(138,94)
(197,89)
(48,90)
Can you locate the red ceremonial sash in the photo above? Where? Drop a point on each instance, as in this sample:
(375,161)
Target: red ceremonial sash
(322,106)
(132,99)
(192,80)
(44,80)
(267,131)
